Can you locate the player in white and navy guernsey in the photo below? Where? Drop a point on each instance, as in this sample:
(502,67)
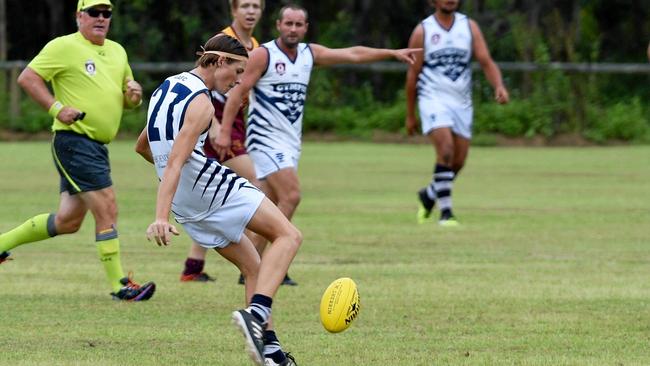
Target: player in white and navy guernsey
(446,76)
(204,185)
(441,80)
(274,130)
(277,76)
(213,204)
(245,15)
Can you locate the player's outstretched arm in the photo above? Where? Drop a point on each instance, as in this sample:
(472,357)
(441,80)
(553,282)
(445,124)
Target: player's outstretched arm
(491,70)
(324,56)
(255,67)
(142,146)
(198,116)
(416,41)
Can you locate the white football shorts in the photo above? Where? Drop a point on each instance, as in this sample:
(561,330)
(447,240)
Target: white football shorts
(227,224)
(435,115)
(268,162)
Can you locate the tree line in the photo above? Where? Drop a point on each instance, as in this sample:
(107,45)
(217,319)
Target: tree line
(171,30)
(539,31)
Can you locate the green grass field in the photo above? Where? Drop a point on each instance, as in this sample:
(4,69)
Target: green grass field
(550,267)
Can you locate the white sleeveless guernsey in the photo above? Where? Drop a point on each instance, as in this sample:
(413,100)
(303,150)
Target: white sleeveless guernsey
(204,184)
(277,101)
(446,75)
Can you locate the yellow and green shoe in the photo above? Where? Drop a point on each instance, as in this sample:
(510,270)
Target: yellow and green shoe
(449,222)
(425,205)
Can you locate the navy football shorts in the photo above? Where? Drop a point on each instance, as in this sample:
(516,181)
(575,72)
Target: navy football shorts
(81,162)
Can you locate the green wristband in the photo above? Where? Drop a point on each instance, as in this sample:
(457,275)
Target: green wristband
(55,108)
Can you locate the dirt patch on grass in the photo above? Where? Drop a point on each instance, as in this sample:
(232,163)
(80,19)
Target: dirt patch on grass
(569,139)
(25,136)
(480,140)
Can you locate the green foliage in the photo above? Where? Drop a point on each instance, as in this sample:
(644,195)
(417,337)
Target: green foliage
(513,119)
(133,121)
(332,107)
(32,119)
(625,120)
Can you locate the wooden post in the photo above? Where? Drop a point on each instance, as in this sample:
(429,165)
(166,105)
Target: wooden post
(14,95)
(3,52)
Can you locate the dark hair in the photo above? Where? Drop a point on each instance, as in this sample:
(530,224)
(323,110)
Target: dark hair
(432,3)
(220,42)
(292,7)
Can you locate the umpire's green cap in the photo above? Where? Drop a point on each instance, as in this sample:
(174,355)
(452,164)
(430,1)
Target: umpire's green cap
(85,4)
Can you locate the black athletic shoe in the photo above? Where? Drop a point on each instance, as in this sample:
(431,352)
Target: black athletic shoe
(5,256)
(425,206)
(289,361)
(253,332)
(131,291)
(288,281)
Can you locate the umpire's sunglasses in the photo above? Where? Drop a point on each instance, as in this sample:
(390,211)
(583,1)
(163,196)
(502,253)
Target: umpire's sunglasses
(96,12)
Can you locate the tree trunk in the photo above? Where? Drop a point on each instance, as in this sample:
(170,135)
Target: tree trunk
(3,30)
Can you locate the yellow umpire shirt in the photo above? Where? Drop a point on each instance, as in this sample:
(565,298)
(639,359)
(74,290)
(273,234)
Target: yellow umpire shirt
(88,77)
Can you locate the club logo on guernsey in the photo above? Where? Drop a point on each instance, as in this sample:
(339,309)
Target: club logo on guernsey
(292,95)
(435,38)
(280,68)
(90,67)
(452,61)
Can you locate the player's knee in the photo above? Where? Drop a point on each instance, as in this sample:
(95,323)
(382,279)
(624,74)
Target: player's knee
(295,236)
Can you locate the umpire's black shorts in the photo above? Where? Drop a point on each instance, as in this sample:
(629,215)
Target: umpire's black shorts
(81,161)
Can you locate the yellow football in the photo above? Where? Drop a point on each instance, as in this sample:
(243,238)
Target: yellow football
(339,305)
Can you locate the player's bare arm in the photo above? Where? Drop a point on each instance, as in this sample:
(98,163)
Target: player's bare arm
(416,41)
(142,146)
(324,56)
(198,116)
(35,86)
(491,70)
(255,67)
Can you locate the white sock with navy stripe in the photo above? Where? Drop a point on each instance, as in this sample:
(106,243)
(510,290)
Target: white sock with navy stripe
(443,184)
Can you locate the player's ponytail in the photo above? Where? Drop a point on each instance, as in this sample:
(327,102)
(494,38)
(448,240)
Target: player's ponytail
(221,45)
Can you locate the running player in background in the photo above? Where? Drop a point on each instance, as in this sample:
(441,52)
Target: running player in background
(443,78)
(92,83)
(278,74)
(214,204)
(245,14)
